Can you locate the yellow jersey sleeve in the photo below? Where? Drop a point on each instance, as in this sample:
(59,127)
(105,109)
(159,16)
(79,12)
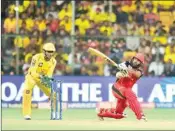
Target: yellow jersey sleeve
(33,67)
(51,70)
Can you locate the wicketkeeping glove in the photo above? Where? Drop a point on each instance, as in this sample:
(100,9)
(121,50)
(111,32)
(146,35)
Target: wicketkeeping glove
(46,81)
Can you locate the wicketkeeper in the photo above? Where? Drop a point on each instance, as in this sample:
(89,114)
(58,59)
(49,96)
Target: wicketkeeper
(42,65)
(130,72)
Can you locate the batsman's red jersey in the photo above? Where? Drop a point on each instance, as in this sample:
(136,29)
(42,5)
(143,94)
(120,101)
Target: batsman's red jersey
(126,82)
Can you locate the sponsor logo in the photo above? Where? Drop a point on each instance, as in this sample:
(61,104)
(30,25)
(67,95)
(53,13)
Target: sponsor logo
(82,92)
(114,104)
(81,105)
(5,105)
(165,105)
(46,105)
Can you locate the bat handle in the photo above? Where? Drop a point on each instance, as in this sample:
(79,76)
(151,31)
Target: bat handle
(112,62)
(117,67)
(121,69)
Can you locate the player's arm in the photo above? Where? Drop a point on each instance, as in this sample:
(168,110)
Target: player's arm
(134,73)
(120,74)
(33,66)
(45,78)
(122,71)
(126,70)
(51,70)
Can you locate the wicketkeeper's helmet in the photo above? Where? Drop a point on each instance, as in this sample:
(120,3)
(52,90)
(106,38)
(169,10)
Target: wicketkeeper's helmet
(49,47)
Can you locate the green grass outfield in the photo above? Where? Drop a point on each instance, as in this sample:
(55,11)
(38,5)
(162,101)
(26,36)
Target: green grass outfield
(85,119)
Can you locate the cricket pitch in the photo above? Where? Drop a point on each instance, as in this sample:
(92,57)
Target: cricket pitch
(85,119)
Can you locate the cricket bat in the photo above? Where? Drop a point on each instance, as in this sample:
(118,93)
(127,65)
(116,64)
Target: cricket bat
(95,52)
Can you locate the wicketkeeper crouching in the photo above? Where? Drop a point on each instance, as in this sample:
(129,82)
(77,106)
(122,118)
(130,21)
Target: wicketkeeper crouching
(42,65)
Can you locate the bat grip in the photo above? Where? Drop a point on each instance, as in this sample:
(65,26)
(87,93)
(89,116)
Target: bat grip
(121,69)
(117,66)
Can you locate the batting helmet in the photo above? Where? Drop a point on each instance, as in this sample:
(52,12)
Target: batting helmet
(140,57)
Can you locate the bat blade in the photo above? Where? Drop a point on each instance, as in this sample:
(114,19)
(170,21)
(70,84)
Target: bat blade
(93,51)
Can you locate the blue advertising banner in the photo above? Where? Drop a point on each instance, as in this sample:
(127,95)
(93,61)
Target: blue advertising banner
(89,90)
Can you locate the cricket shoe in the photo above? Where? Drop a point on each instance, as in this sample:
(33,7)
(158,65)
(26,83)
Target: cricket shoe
(99,111)
(143,118)
(27,117)
(53,116)
(124,115)
(113,110)
(120,115)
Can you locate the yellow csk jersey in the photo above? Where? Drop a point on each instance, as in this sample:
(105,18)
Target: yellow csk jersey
(39,66)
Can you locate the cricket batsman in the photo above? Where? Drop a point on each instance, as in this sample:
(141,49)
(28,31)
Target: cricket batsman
(42,64)
(130,72)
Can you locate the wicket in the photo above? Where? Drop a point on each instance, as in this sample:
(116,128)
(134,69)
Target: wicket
(56,93)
